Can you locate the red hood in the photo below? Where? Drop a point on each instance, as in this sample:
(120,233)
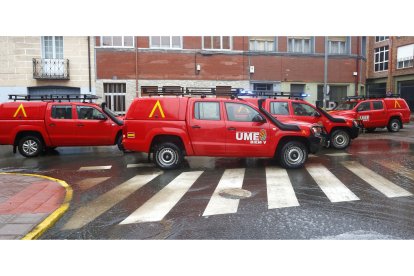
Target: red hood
(343,113)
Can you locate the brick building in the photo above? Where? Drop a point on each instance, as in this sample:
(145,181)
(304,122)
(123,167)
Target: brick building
(129,66)
(33,65)
(390,66)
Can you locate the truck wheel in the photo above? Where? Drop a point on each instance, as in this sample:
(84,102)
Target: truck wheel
(168,156)
(394,125)
(119,143)
(30,146)
(370,129)
(293,155)
(340,139)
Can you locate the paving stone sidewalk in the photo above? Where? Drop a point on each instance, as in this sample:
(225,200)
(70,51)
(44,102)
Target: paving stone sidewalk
(25,201)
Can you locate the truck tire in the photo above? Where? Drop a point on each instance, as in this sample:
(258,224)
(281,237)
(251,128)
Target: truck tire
(168,156)
(30,146)
(119,143)
(293,155)
(394,125)
(340,139)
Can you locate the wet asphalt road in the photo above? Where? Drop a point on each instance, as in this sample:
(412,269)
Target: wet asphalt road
(104,197)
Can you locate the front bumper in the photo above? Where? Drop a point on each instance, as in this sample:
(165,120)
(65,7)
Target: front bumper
(354,132)
(315,143)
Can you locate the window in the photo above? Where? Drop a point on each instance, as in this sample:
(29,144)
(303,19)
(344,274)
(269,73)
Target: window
(52,47)
(381,38)
(263,86)
(405,56)
(378,105)
(62,112)
(299,44)
(117,41)
(207,111)
(166,42)
(337,45)
(262,44)
(240,112)
(115,96)
(217,42)
(89,113)
(279,108)
(300,109)
(365,106)
(381,59)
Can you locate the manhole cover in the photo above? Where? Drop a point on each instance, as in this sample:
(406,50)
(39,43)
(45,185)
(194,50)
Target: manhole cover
(235,193)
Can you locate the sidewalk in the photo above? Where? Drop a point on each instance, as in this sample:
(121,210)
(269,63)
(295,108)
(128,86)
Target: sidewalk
(30,204)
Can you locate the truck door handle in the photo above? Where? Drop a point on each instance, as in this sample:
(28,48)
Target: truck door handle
(81,125)
(52,125)
(196,126)
(231,128)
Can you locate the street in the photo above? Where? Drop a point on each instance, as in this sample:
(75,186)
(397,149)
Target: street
(365,192)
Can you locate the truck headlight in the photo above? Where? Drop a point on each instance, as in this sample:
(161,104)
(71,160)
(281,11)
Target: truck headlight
(317,131)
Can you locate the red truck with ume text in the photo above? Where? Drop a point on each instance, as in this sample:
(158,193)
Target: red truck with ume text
(170,128)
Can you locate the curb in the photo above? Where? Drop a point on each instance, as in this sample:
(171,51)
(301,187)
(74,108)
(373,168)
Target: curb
(53,217)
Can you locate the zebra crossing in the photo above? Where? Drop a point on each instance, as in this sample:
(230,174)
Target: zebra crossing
(279,188)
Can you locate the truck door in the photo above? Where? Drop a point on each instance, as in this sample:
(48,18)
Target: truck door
(379,114)
(306,113)
(93,128)
(364,113)
(60,124)
(280,109)
(206,128)
(244,137)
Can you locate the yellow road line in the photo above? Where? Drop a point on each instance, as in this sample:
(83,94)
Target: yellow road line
(57,214)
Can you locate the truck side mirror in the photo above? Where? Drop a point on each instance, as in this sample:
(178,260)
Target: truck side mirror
(360,108)
(316,114)
(258,119)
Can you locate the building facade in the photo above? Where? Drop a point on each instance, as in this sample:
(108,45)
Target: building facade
(40,65)
(127,67)
(390,66)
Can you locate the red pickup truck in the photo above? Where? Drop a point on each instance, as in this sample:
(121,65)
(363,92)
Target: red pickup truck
(33,126)
(172,127)
(340,130)
(392,112)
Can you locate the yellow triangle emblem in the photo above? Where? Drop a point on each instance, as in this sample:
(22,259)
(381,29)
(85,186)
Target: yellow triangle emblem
(396,103)
(157,105)
(21,108)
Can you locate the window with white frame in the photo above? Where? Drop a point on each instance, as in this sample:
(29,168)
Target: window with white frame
(217,42)
(166,42)
(381,59)
(299,44)
(115,97)
(337,45)
(262,44)
(405,56)
(381,38)
(117,41)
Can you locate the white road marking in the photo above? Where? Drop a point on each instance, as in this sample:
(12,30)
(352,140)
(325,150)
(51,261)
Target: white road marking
(231,179)
(380,183)
(397,168)
(88,183)
(94,168)
(141,165)
(100,205)
(157,207)
(312,156)
(333,188)
(338,154)
(280,192)
(382,152)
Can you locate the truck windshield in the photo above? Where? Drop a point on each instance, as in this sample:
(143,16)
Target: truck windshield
(346,106)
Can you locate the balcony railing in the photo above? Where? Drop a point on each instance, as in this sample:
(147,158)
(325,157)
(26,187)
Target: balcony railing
(50,69)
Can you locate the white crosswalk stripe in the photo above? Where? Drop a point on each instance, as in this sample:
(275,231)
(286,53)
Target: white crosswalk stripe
(97,207)
(161,203)
(377,181)
(141,165)
(280,192)
(397,168)
(95,168)
(333,188)
(231,179)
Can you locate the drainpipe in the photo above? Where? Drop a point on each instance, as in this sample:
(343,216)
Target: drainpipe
(136,66)
(390,80)
(325,74)
(356,65)
(89,64)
